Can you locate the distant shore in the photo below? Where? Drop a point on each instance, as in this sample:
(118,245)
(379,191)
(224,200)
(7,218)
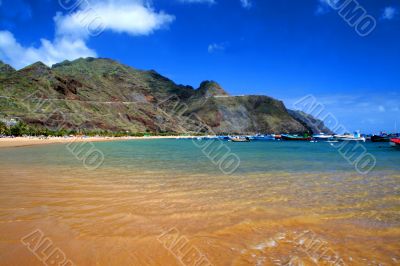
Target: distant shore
(32,141)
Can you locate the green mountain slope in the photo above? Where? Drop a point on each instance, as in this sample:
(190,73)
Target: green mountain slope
(5,69)
(102,94)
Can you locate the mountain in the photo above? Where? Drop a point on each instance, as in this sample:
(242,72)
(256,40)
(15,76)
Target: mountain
(310,122)
(5,69)
(102,94)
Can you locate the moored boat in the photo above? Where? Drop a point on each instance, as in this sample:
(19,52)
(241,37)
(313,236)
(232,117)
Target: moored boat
(395,142)
(259,137)
(380,138)
(207,138)
(296,137)
(239,139)
(348,137)
(322,137)
(362,139)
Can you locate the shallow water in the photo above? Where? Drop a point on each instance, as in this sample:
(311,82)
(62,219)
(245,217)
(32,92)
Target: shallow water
(164,202)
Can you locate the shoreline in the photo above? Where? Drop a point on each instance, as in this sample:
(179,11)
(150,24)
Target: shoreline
(33,141)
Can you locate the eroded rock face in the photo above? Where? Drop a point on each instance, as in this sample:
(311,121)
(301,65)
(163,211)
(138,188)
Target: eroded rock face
(210,89)
(313,124)
(248,114)
(106,95)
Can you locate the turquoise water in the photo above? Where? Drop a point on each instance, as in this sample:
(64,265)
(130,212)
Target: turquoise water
(187,156)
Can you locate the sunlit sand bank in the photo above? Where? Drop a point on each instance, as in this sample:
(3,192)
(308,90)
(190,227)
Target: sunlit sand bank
(147,217)
(30,141)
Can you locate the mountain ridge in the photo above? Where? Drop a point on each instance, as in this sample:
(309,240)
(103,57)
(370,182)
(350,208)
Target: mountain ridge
(103,94)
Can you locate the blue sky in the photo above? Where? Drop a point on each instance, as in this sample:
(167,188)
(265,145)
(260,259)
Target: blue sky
(282,48)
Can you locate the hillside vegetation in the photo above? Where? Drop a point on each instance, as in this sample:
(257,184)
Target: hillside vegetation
(102,95)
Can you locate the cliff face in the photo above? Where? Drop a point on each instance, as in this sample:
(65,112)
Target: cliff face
(248,114)
(311,123)
(102,94)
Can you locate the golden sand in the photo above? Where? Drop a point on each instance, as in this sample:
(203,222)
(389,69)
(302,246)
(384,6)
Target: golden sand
(111,217)
(31,141)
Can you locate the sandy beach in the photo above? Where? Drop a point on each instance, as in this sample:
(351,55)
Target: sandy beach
(31,141)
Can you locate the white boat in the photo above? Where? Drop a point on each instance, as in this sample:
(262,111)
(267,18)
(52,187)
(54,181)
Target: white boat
(260,137)
(351,138)
(239,139)
(348,137)
(207,138)
(322,137)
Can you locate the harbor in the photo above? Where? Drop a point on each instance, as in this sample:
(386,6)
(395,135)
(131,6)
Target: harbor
(393,138)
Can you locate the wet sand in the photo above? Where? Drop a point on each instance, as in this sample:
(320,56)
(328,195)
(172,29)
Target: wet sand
(146,217)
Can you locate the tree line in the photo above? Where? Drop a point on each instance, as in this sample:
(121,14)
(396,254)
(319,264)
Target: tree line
(23,129)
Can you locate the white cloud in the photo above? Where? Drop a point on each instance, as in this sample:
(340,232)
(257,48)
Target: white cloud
(215,47)
(246,3)
(389,13)
(131,17)
(134,17)
(211,2)
(48,52)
